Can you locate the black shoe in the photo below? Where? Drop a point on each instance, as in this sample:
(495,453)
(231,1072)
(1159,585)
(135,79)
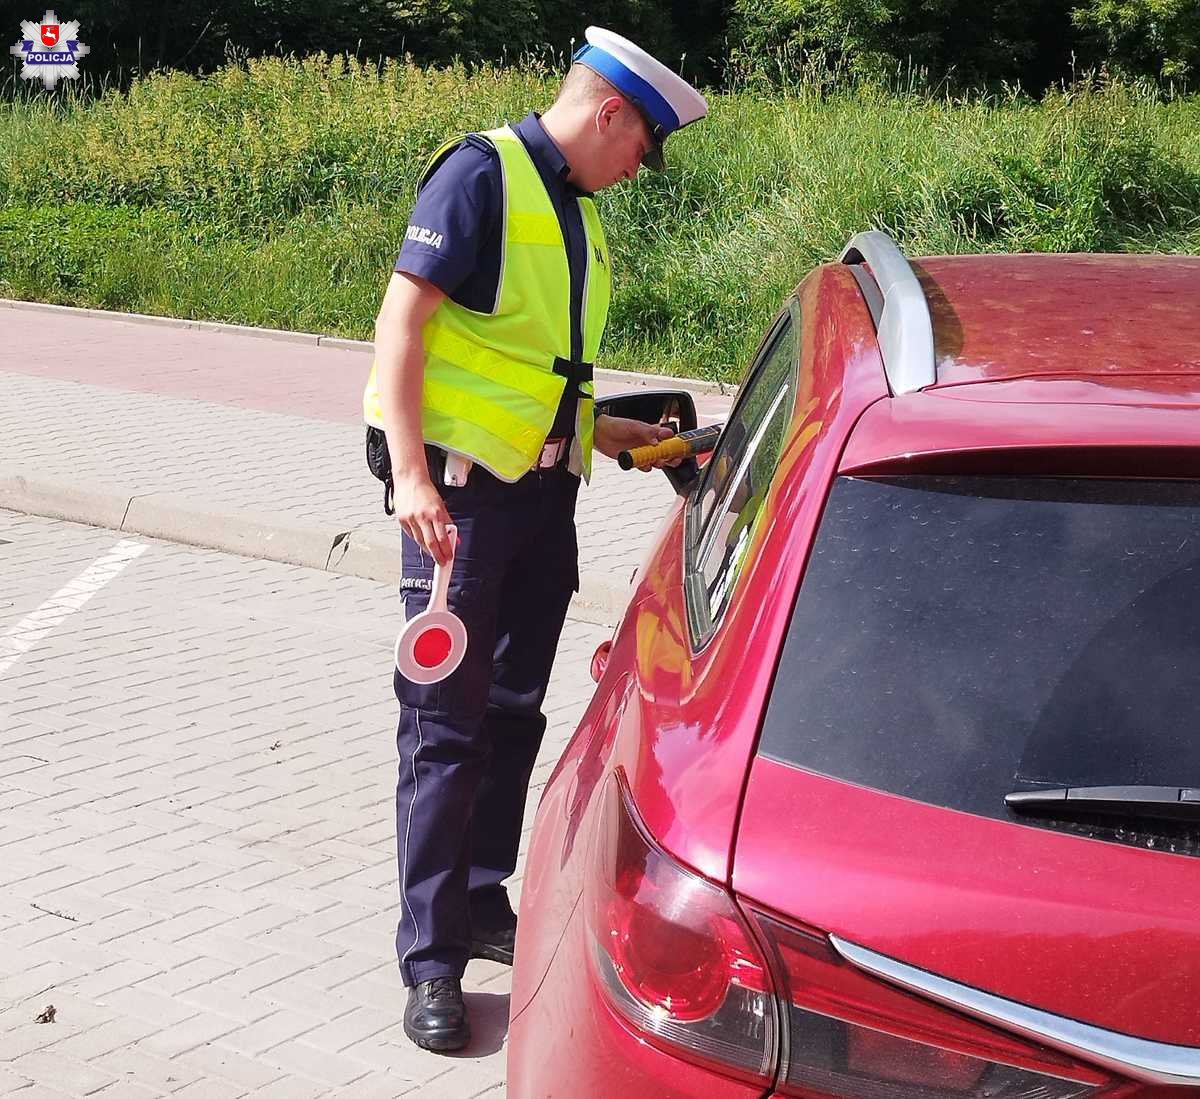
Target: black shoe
(494,944)
(436,1017)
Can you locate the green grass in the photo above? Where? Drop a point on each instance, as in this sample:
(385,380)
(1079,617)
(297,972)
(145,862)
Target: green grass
(276,193)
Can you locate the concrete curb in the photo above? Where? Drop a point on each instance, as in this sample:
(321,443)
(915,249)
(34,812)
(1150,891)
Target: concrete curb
(370,555)
(312,339)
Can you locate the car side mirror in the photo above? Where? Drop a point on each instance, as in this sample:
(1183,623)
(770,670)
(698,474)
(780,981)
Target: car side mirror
(673,407)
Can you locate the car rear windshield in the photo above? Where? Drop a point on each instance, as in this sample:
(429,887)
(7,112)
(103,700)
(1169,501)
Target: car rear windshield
(958,638)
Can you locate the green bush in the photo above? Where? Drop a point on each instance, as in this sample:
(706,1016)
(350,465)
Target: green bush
(255,144)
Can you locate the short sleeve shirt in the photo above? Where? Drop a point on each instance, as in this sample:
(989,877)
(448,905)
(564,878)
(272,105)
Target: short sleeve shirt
(453,236)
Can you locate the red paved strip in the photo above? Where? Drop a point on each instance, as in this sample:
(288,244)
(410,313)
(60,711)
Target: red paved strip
(243,371)
(267,375)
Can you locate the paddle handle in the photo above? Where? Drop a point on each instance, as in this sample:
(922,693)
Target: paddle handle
(441,574)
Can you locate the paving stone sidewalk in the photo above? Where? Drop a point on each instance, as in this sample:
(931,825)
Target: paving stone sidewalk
(248,444)
(197,832)
(197,767)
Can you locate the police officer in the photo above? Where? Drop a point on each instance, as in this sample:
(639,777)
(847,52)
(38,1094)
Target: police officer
(484,346)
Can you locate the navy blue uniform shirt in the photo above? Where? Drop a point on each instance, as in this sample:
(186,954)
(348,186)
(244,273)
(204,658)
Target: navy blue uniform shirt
(453,235)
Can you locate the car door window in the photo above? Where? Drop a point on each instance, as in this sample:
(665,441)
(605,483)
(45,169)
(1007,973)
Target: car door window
(736,479)
(956,638)
(768,376)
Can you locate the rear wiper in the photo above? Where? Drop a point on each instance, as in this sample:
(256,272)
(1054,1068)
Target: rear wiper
(1148,802)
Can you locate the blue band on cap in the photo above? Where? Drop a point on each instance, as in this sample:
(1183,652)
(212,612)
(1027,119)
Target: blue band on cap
(624,79)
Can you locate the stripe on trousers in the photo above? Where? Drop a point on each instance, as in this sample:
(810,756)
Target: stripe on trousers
(407,830)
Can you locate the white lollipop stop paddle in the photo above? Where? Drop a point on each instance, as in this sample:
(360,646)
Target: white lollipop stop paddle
(433,643)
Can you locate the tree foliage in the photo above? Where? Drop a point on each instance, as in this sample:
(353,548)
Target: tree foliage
(138,36)
(959,42)
(1144,37)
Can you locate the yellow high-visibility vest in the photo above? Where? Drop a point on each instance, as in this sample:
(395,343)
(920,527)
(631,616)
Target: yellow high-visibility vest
(493,381)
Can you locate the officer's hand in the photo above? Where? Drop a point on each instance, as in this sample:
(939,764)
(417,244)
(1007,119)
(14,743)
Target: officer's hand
(616,433)
(422,515)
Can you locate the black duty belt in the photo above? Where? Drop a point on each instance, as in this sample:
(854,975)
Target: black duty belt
(576,374)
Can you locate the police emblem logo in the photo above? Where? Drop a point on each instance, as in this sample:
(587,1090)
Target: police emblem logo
(50,50)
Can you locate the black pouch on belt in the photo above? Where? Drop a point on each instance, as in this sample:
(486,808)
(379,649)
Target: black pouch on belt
(379,462)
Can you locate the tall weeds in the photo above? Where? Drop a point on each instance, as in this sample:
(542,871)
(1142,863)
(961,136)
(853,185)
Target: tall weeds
(275,191)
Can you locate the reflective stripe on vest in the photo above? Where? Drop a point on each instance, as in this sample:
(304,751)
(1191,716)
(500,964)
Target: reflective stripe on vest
(491,392)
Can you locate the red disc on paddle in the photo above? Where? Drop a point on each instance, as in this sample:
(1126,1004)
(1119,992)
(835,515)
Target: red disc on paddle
(431,644)
(432,647)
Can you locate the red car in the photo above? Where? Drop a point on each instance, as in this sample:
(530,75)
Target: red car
(890,788)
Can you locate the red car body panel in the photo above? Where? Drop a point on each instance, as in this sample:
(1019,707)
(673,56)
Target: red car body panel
(555,864)
(1011,316)
(1003,907)
(1033,359)
(1003,417)
(569,1043)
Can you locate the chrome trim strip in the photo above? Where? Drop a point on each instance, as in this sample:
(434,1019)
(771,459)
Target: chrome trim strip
(905,329)
(709,536)
(1137,1058)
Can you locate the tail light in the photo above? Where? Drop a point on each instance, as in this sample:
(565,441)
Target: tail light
(849,1034)
(675,957)
(679,962)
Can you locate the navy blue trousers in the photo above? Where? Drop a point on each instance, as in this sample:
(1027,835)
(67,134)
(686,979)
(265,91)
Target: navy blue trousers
(467,745)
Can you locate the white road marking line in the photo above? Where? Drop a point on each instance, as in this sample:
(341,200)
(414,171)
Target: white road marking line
(65,602)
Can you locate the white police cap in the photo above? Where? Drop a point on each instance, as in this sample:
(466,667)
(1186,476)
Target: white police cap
(665,100)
